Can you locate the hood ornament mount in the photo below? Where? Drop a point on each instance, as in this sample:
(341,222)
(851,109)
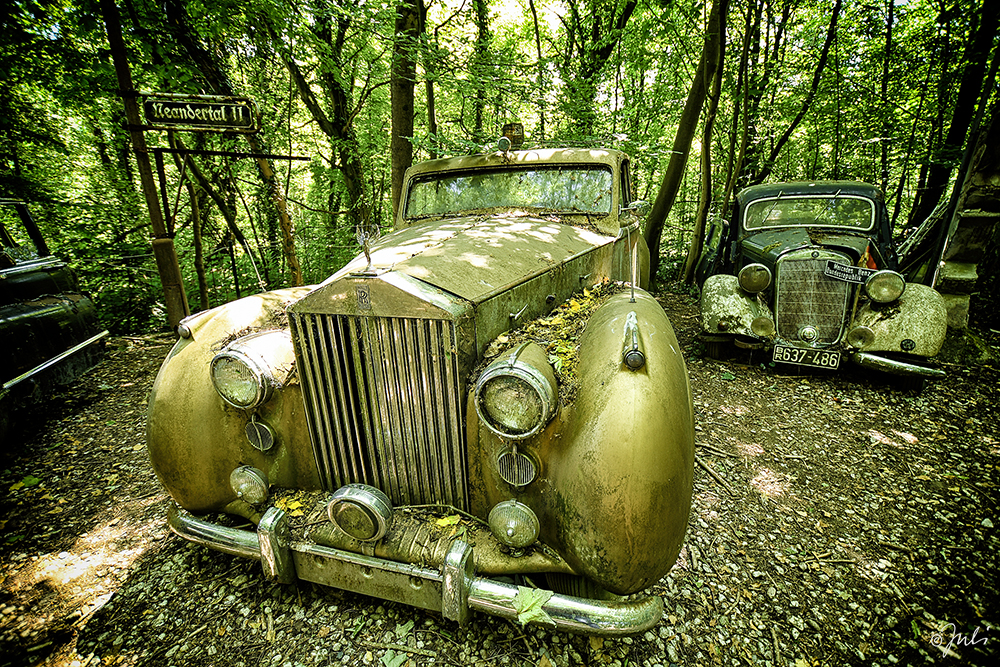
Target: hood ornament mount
(366,234)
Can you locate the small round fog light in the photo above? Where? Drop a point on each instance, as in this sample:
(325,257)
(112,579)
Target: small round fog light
(249,484)
(361,511)
(860,337)
(762,326)
(514,524)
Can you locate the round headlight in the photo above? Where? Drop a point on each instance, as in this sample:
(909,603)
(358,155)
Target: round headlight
(860,337)
(239,381)
(516,395)
(885,286)
(754,278)
(248,369)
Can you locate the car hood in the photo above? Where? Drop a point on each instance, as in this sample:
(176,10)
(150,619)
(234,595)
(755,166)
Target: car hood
(477,257)
(768,245)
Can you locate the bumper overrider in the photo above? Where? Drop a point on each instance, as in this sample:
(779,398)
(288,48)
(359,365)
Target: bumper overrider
(452,588)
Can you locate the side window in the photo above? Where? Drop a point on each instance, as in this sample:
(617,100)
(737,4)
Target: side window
(626,186)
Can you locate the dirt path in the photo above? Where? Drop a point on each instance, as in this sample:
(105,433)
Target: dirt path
(849,521)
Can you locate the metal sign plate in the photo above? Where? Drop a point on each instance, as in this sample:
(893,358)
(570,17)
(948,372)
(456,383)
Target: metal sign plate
(200,112)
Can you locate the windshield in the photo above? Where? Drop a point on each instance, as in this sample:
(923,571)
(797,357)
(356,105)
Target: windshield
(568,189)
(833,210)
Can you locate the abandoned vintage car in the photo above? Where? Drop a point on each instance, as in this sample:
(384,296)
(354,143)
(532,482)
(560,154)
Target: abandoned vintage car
(808,271)
(49,329)
(483,401)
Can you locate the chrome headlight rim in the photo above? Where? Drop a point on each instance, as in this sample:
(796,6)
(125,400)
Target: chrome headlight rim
(369,503)
(266,359)
(263,385)
(885,286)
(754,278)
(513,366)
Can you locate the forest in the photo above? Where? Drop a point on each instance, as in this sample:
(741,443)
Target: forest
(705,97)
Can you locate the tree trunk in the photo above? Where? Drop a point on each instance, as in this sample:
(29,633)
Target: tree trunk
(199,253)
(950,152)
(404,71)
(705,201)
(430,70)
(540,80)
(686,128)
(480,68)
(887,114)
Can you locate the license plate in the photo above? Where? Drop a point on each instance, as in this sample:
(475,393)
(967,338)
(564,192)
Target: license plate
(787,354)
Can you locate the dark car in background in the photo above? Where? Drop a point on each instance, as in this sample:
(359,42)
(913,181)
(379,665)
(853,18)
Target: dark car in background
(49,329)
(808,272)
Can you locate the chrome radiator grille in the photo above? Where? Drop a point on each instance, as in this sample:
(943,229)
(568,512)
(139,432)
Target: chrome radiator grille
(384,405)
(806,297)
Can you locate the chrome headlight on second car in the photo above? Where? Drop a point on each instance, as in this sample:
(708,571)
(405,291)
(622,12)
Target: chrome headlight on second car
(885,286)
(754,278)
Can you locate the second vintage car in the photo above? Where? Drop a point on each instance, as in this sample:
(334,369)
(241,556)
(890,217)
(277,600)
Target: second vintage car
(484,401)
(50,333)
(808,272)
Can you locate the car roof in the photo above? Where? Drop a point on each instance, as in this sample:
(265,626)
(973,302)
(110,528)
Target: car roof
(768,190)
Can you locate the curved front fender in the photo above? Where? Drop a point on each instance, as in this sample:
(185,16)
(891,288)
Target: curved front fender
(616,466)
(195,440)
(621,475)
(727,309)
(918,317)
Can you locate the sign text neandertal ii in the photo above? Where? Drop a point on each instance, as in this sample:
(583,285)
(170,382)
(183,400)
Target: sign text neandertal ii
(231,114)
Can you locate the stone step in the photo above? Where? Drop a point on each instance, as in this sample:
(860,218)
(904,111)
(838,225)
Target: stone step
(957,278)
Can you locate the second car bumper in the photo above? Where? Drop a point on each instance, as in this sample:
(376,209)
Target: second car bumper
(894,366)
(454,590)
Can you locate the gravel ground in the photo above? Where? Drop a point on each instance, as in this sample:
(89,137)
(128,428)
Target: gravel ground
(844,521)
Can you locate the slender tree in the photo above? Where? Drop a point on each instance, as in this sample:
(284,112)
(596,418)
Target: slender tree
(686,129)
(945,158)
(404,68)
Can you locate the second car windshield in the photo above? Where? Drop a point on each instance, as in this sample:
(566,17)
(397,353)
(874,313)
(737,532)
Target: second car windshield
(568,189)
(826,211)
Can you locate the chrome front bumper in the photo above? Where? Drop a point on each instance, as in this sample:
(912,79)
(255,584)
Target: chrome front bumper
(454,590)
(895,367)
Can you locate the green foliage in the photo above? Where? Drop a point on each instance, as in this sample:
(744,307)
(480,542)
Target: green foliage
(571,77)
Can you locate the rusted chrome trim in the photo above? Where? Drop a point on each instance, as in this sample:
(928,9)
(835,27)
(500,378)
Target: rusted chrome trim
(54,360)
(452,592)
(274,536)
(894,366)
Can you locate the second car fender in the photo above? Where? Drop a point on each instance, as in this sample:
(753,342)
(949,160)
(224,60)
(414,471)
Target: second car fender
(916,323)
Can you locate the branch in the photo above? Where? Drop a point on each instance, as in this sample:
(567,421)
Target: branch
(817,75)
